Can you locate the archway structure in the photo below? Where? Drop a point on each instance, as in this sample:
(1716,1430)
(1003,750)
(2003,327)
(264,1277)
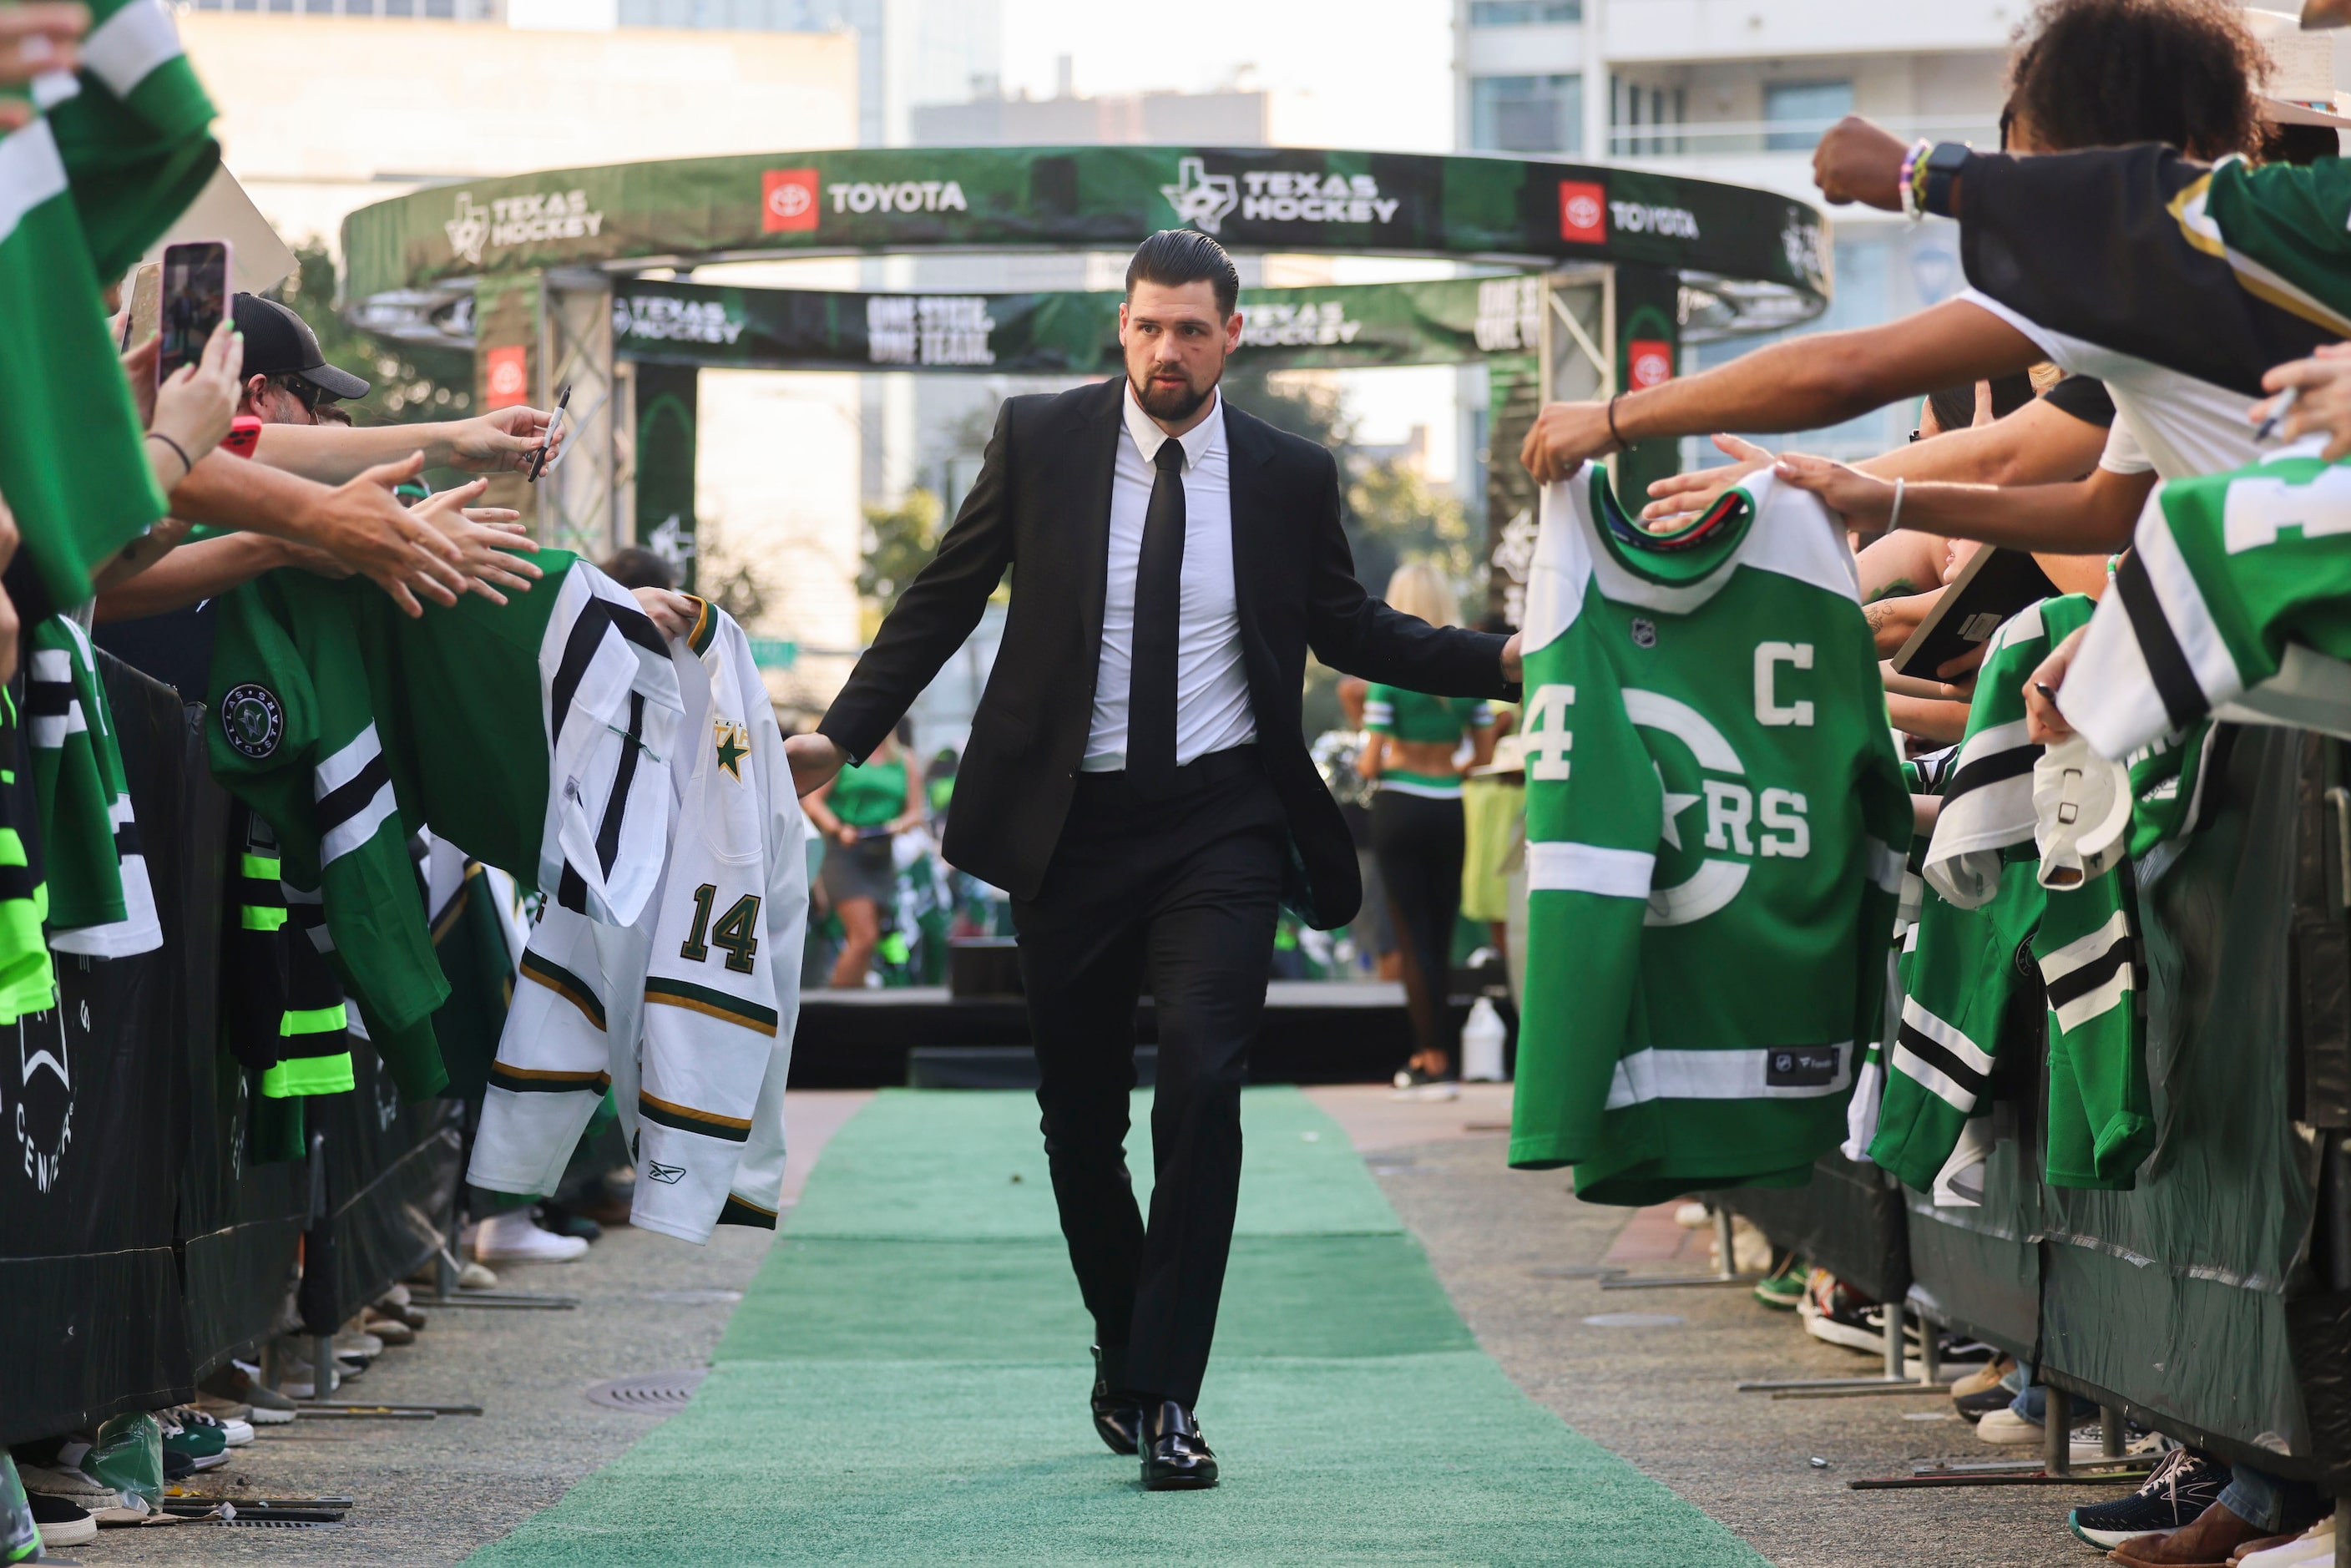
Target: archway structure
(1603,272)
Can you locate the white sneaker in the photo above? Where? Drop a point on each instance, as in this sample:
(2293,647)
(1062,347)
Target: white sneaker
(514,1237)
(2006,1427)
(2313,1548)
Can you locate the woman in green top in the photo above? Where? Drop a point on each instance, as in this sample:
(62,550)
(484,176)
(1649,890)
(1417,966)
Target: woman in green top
(1416,749)
(858,812)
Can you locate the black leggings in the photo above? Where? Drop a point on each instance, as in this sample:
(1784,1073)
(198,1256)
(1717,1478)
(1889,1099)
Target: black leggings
(1417,842)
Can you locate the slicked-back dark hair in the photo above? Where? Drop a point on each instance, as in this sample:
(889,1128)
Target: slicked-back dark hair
(2106,73)
(1174,257)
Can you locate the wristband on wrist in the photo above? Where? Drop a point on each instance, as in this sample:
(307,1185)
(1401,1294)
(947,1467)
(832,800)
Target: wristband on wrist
(186,468)
(1894,518)
(1913,164)
(1614,434)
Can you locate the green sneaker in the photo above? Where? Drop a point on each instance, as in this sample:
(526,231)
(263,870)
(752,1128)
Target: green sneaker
(203,1446)
(1783,1287)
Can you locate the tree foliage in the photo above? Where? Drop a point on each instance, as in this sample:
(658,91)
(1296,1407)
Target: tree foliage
(898,541)
(411,382)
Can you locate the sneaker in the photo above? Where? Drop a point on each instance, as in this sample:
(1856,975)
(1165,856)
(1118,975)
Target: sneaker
(1415,1083)
(2313,1548)
(386,1330)
(61,1523)
(2006,1429)
(69,1482)
(512,1237)
(235,1382)
(560,1219)
(1984,1378)
(1835,1311)
(477,1277)
(353,1342)
(234,1431)
(205,1447)
(1783,1290)
(2183,1486)
(1974,1407)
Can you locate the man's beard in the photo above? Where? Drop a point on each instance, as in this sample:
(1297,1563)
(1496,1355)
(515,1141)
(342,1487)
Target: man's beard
(1171,402)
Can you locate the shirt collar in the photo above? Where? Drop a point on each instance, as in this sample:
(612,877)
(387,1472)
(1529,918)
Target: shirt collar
(1197,442)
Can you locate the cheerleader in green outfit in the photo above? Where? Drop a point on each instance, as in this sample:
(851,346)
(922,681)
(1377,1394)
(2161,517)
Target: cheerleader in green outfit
(1416,749)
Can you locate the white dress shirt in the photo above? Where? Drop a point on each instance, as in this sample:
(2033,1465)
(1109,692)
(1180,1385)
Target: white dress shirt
(1212,706)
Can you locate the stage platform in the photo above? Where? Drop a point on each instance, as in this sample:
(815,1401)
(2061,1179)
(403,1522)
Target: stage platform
(1316,1031)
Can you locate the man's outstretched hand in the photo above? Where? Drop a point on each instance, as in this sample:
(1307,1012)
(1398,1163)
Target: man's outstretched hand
(814,760)
(1513,667)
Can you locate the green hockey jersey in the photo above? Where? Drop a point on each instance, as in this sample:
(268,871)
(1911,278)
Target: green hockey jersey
(100,903)
(1716,828)
(1988,927)
(133,128)
(27,982)
(2229,605)
(519,732)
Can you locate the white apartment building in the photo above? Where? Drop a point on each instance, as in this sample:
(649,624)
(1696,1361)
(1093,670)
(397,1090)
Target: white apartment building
(1739,90)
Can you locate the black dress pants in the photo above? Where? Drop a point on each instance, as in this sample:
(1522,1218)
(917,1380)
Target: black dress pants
(1418,843)
(1183,893)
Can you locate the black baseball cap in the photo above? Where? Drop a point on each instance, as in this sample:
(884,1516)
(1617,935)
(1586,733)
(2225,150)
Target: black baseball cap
(278,342)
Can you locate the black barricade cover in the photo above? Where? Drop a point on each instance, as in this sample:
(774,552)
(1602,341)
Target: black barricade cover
(240,1223)
(1847,1219)
(391,1175)
(2173,1295)
(91,1312)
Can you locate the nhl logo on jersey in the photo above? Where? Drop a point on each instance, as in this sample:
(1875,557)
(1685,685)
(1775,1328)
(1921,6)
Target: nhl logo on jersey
(1645,632)
(253,720)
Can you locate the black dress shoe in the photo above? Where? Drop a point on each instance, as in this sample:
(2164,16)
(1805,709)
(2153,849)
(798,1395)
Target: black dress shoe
(1118,1415)
(1174,1456)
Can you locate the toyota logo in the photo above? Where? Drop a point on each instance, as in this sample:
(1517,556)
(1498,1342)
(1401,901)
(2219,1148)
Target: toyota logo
(790,201)
(1583,211)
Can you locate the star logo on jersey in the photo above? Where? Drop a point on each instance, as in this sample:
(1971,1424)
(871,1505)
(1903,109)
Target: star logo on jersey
(1717,880)
(734,744)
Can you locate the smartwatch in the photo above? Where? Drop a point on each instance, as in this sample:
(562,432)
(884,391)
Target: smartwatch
(1944,162)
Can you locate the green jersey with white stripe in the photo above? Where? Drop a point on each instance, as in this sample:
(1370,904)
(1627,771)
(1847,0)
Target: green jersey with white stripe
(1716,827)
(519,732)
(2228,606)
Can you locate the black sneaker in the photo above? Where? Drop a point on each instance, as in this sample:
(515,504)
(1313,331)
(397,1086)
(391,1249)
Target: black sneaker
(61,1523)
(2184,1485)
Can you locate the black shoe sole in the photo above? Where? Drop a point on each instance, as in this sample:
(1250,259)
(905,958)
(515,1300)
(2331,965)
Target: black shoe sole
(1188,1481)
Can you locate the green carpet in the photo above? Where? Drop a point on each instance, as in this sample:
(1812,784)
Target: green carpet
(905,1382)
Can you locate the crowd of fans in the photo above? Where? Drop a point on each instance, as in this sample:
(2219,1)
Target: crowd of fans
(2038,435)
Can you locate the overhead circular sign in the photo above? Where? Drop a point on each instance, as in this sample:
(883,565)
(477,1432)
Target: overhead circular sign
(1769,252)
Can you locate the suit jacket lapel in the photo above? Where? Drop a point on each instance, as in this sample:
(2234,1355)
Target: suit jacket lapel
(1092,471)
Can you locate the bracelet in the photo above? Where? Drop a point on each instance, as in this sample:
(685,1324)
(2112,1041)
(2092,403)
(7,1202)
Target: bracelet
(186,468)
(1911,162)
(1614,434)
(1894,518)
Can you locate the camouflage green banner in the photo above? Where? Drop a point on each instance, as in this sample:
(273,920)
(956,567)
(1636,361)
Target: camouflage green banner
(1255,199)
(1451,321)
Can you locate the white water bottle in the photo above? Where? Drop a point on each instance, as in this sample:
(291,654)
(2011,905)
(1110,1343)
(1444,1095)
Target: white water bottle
(1481,1044)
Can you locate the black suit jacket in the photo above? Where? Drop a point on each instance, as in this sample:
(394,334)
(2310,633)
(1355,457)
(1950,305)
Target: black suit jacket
(1041,507)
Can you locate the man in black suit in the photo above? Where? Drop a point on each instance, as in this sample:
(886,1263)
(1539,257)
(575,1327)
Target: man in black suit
(1137,780)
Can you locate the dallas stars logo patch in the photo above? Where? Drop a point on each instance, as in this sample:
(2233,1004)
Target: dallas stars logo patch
(253,721)
(734,744)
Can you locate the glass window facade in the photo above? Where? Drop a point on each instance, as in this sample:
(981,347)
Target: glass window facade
(1809,108)
(1523,12)
(1526,114)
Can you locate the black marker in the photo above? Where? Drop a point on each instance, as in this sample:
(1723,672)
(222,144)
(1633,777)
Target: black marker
(554,423)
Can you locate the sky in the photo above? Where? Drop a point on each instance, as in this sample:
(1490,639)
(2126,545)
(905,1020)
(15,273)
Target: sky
(1379,72)
(1373,73)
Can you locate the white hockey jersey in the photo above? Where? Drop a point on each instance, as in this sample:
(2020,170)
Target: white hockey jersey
(687,1013)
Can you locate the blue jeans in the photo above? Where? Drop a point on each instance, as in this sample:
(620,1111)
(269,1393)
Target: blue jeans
(2271,1503)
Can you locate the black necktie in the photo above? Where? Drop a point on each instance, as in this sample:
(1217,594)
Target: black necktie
(1158,605)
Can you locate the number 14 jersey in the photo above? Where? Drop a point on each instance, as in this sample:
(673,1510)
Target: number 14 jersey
(1715,830)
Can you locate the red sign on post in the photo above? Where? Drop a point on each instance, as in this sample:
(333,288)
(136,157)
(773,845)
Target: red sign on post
(787,200)
(1583,211)
(1648,362)
(507,380)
